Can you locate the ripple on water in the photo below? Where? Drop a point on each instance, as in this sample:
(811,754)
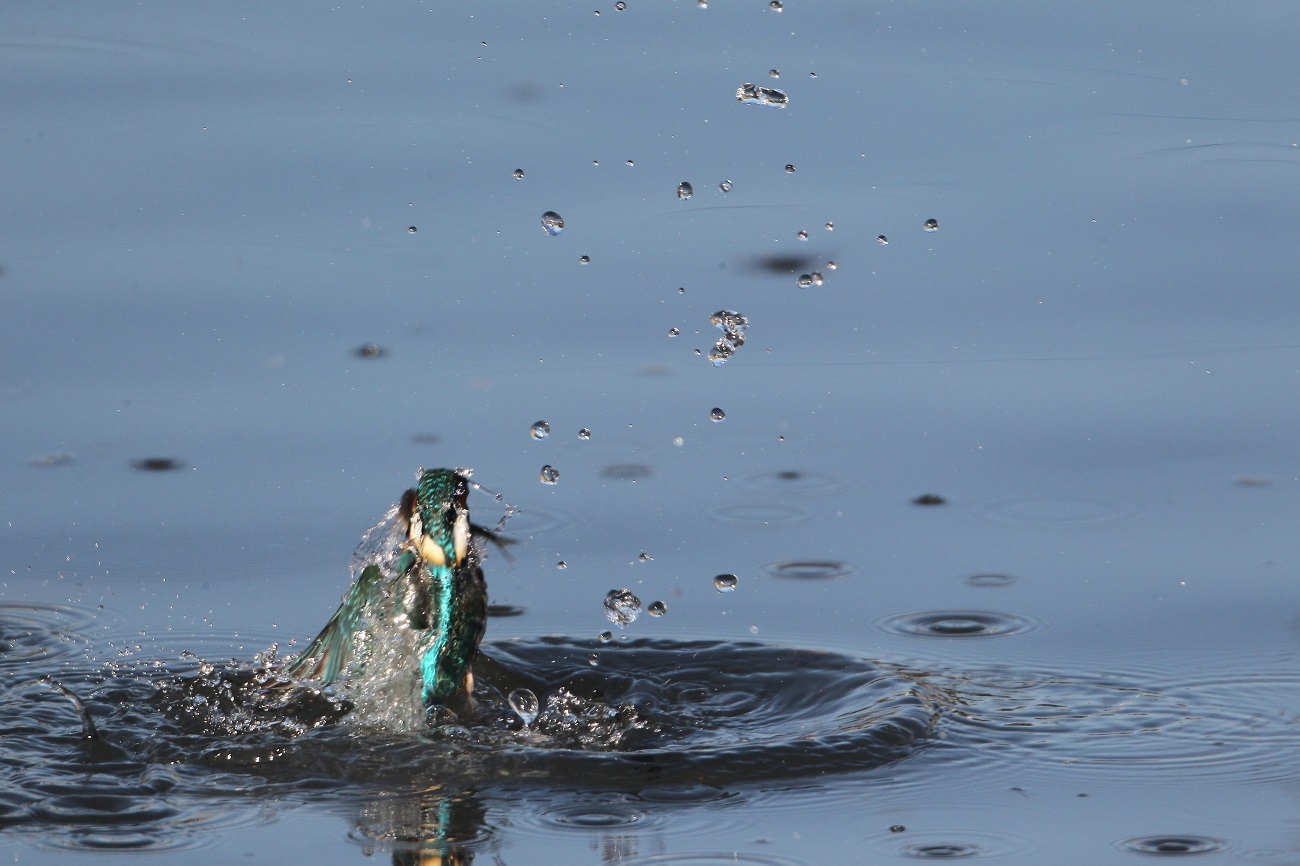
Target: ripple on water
(957,624)
(1052,510)
(808,569)
(760,515)
(711,858)
(793,481)
(35,633)
(1172,845)
(933,844)
(990,580)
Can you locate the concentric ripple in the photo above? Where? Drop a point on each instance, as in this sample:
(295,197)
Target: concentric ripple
(957,624)
(38,633)
(1172,845)
(809,569)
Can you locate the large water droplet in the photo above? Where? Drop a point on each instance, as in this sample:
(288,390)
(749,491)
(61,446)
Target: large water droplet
(789,168)
(751,94)
(552,223)
(717,415)
(725,582)
(931,225)
(882,240)
(657,608)
(725,186)
(685,190)
(519,174)
(525,705)
(733,326)
(584,434)
(620,5)
(540,430)
(775,6)
(549,474)
(622,607)
(803,235)
(804,281)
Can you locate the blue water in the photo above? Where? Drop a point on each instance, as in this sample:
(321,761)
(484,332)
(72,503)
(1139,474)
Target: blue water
(1093,361)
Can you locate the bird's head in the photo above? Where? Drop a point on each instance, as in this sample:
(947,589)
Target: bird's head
(436,512)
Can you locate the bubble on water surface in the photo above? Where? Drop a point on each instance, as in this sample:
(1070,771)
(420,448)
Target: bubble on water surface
(752,94)
(525,705)
(552,223)
(622,607)
(958,624)
(518,174)
(1172,845)
(657,608)
(540,430)
(685,190)
(716,415)
(725,582)
(549,474)
(931,225)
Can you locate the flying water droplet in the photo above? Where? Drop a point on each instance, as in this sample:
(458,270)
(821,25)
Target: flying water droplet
(552,223)
(606,636)
(789,168)
(882,240)
(622,607)
(830,226)
(411,230)
(561,565)
(775,6)
(751,94)
(584,434)
(804,281)
(630,163)
(685,190)
(717,415)
(673,332)
(803,235)
(725,582)
(620,5)
(725,186)
(519,174)
(657,608)
(931,225)
(645,557)
(549,474)
(584,260)
(525,705)
(817,278)
(775,73)
(732,325)
(540,430)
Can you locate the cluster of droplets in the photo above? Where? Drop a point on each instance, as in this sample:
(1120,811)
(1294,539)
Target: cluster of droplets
(733,326)
(752,94)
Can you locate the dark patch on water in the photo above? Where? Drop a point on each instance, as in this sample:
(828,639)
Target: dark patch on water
(781,264)
(370,350)
(929,499)
(626,471)
(793,481)
(504,611)
(157,464)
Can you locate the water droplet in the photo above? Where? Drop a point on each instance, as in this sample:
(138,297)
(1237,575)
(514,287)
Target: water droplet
(817,278)
(525,705)
(897,828)
(552,223)
(550,474)
(584,434)
(932,225)
(725,186)
(411,230)
(540,430)
(775,6)
(685,190)
(657,608)
(584,260)
(622,607)
(830,266)
(717,415)
(645,557)
(725,582)
(606,636)
(561,565)
(594,660)
(830,226)
(703,4)
(620,5)
(789,168)
(775,73)
(751,94)
(804,281)
(882,240)
(630,163)
(803,235)
(519,174)
(673,332)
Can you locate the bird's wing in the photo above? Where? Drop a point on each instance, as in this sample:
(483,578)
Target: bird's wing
(326,657)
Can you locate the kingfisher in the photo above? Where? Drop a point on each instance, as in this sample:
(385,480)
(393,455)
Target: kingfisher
(420,597)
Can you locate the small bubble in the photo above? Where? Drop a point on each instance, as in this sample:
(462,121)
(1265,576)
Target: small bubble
(804,281)
(882,240)
(803,235)
(725,186)
(725,582)
(630,163)
(525,705)
(685,190)
(552,223)
(606,636)
(540,430)
(673,332)
(620,5)
(775,6)
(830,226)
(411,230)
(549,474)
(645,557)
(657,608)
(622,607)
(584,260)
(931,225)
(789,168)
(584,434)
(775,73)
(716,415)
(519,174)
(561,565)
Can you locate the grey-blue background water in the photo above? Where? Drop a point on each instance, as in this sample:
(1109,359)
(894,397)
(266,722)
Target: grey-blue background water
(1094,361)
